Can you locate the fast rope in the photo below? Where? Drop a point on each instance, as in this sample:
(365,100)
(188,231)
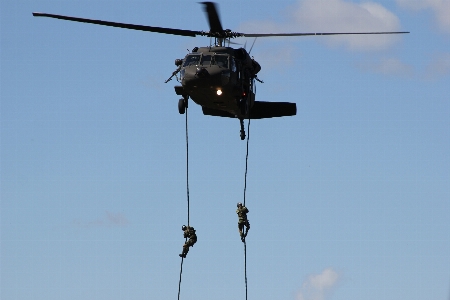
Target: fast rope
(179,283)
(187,163)
(253,88)
(246,159)
(187,192)
(245,189)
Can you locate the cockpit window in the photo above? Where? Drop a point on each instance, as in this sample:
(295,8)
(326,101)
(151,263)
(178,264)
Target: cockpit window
(191,60)
(206,60)
(221,60)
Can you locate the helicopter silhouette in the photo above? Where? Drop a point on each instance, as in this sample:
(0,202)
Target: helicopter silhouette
(220,79)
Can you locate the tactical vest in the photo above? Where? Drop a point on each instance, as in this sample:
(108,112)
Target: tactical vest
(242,213)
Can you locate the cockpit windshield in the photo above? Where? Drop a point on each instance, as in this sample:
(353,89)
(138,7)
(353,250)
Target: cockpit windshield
(219,60)
(206,60)
(191,60)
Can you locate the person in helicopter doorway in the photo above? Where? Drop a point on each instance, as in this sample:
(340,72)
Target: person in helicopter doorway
(189,232)
(242,212)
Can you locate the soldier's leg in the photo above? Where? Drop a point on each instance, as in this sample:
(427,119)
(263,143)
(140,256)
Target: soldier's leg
(247,225)
(241,229)
(185,250)
(190,243)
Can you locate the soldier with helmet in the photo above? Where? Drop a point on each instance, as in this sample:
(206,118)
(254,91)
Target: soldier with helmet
(189,232)
(242,212)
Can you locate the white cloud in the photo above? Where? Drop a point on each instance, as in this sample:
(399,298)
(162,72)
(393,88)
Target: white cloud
(388,66)
(336,16)
(441,9)
(108,220)
(439,66)
(319,287)
(117,219)
(344,16)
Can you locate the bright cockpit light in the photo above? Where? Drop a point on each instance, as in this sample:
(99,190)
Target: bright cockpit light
(219,92)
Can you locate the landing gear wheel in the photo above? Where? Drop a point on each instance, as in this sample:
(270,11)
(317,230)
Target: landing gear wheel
(181,106)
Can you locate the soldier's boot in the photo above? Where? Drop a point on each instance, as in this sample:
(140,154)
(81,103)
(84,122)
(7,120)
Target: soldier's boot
(185,251)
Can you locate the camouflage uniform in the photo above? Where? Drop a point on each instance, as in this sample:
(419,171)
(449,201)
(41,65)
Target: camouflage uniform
(242,212)
(189,232)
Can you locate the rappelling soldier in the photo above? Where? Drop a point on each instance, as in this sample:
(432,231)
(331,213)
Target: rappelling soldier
(189,232)
(242,212)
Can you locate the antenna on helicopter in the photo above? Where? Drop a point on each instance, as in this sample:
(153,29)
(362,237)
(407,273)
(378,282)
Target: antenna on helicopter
(252,45)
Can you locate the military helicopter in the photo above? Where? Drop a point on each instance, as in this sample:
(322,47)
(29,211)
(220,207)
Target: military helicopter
(219,78)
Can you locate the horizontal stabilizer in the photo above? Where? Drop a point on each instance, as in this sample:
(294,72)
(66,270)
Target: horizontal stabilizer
(216,112)
(262,110)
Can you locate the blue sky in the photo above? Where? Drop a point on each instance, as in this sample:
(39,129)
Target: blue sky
(350,199)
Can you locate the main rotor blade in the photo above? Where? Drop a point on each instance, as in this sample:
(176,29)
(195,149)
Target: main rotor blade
(123,25)
(318,33)
(213,17)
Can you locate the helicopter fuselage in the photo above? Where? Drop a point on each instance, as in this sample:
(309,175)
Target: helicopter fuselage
(219,78)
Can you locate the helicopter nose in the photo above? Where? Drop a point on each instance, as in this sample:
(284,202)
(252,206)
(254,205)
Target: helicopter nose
(202,76)
(201,72)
